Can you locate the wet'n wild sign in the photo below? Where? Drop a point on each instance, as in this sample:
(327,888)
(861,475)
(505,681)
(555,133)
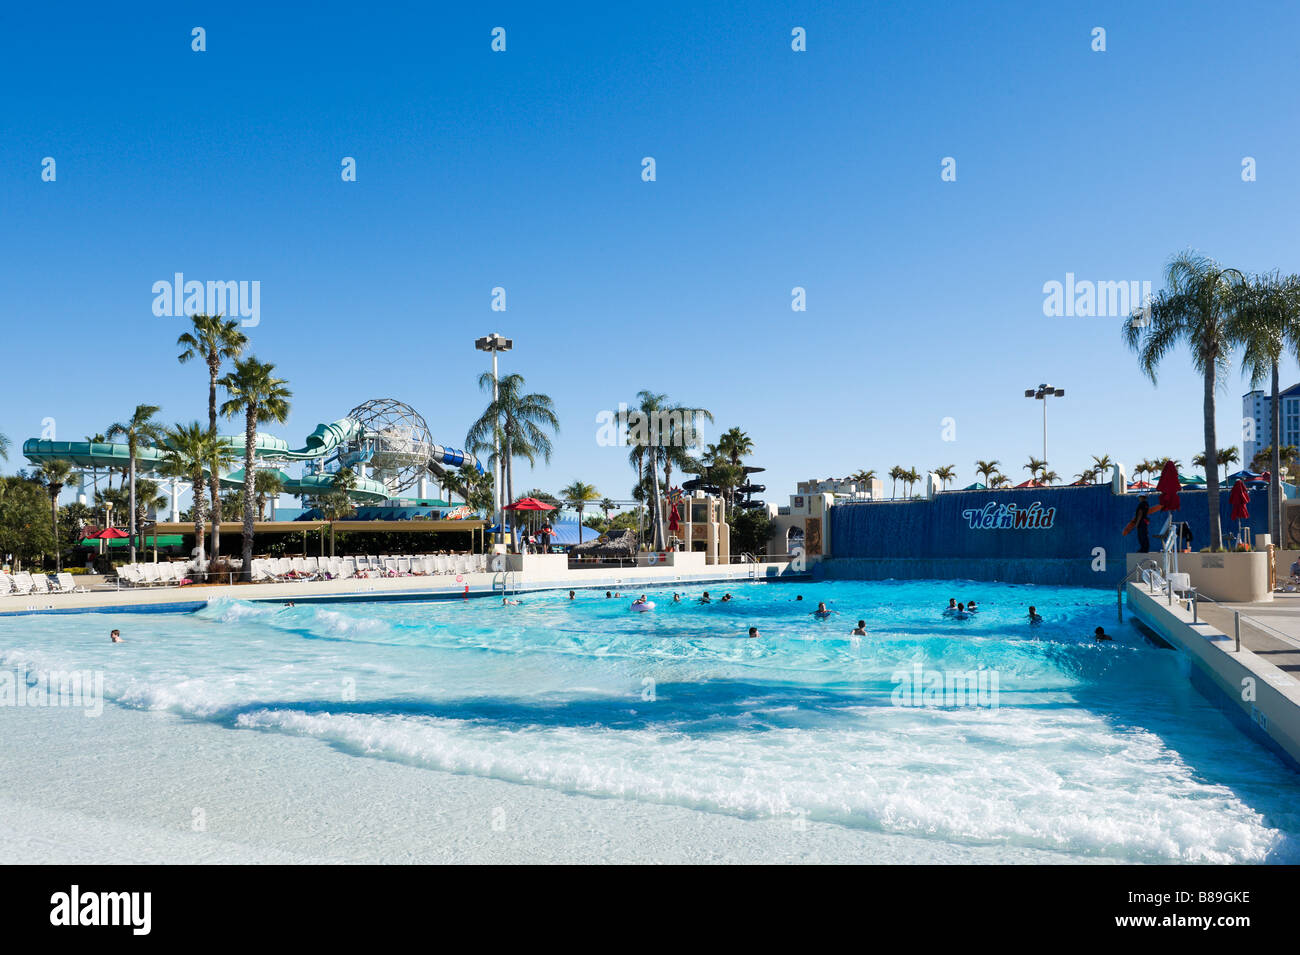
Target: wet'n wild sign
(1009,517)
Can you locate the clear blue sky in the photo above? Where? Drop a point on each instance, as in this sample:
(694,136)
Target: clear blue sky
(522,169)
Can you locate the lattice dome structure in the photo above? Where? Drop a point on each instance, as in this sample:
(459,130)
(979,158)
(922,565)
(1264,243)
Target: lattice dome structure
(394,442)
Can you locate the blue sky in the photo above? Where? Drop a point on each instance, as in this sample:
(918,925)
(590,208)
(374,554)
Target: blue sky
(522,169)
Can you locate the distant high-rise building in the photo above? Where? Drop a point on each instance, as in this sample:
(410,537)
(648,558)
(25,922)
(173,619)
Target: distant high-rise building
(1257,421)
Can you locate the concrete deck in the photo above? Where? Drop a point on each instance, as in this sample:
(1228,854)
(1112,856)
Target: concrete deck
(433,587)
(1270,630)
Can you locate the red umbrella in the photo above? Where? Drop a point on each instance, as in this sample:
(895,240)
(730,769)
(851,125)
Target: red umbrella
(528,504)
(1239,499)
(1168,486)
(109,533)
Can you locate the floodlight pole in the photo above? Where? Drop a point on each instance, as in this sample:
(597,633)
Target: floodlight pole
(496,344)
(1042,393)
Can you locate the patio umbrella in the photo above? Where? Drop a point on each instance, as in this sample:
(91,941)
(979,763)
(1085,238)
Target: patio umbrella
(1239,501)
(528,504)
(1168,486)
(108,533)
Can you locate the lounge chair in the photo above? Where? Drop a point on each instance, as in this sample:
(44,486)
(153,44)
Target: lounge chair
(22,583)
(40,584)
(68,585)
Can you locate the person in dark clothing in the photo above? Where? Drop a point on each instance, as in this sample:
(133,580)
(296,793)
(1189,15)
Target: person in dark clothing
(1142,521)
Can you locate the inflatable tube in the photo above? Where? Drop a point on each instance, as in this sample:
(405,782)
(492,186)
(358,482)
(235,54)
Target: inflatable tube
(642,608)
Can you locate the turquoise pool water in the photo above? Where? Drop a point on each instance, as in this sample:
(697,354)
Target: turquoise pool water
(1084,748)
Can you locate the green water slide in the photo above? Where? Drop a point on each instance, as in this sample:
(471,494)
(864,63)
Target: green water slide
(325,440)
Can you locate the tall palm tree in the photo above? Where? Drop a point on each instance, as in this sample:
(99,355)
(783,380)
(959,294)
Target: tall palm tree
(1267,323)
(1229,457)
(1034,466)
(606,505)
(735,445)
(523,423)
(55,475)
(987,469)
(1197,309)
(896,473)
(1102,464)
(214,340)
(678,439)
(263,398)
(643,456)
(337,503)
(945,474)
(578,495)
(191,450)
(139,430)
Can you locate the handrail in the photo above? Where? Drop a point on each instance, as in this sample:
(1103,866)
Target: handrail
(1137,568)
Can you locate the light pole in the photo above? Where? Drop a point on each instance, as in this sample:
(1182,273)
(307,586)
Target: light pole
(496,344)
(1042,393)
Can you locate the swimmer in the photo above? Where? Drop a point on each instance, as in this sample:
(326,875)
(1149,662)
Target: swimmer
(726,597)
(798,597)
(821,613)
(860,630)
(952,605)
(970,607)
(507,602)
(570,594)
(753,633)
(961,613)
(706,599)
(677,598)
(1100,634)
(608,595)
(1034,615)
(116,636)
(639,602)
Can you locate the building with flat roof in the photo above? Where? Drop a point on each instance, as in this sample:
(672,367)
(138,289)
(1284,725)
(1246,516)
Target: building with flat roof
(1257,421)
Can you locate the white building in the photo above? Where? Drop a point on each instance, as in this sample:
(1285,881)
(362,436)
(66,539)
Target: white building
(1257,421)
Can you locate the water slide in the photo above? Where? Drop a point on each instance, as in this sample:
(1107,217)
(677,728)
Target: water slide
(326,440)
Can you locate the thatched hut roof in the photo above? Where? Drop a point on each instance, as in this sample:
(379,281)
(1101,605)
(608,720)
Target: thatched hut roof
(615,544)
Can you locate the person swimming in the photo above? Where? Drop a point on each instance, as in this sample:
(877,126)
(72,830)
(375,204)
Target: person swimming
(706,599)
(677,598)
(507,602)
(952,606)
(753,633)
(961,613)
(640,601)
(608,595)
(726,597)
(115,636)
(1034,615)
(970,606)
(570,594)
(860,630)
(821,613)
(798,596)
(1100,634)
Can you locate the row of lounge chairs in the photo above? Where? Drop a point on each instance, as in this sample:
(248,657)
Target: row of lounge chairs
(268,569)
(26,584)
(166,574)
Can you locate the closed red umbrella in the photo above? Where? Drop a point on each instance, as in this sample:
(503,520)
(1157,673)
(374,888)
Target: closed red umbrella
(1168,486)
(1239,500)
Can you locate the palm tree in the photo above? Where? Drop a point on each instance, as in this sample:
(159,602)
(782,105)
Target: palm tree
(337,503)
(1198,308)
(1102,463)
(735,445)
(987,469)
(55,475)
(522,422)
(1050,477)
(999,480)
(606,505)
(140,429)
(945,474)
(4,447)
(1229,457)
(1268,325)
(1034,466)
(578,495)
(1086,476)
(263,398)
(267,484)
(214,340)
(896,473)
(191,450)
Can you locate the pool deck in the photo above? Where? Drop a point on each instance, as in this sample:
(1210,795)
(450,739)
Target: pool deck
(432,587)
(1259,682)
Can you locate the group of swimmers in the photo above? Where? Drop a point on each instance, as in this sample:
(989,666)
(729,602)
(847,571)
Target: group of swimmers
(964,612)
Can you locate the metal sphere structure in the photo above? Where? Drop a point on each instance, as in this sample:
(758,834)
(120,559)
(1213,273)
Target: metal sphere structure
(394,442)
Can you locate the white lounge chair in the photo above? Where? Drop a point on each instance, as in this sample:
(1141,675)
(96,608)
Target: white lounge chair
(22,583)
(40,584)
(68,585)
(6,585)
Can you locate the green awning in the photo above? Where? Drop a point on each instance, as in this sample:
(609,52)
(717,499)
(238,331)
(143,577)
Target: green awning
(162,540)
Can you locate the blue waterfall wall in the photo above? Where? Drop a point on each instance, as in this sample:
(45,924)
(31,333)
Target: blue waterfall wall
(1007,535)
